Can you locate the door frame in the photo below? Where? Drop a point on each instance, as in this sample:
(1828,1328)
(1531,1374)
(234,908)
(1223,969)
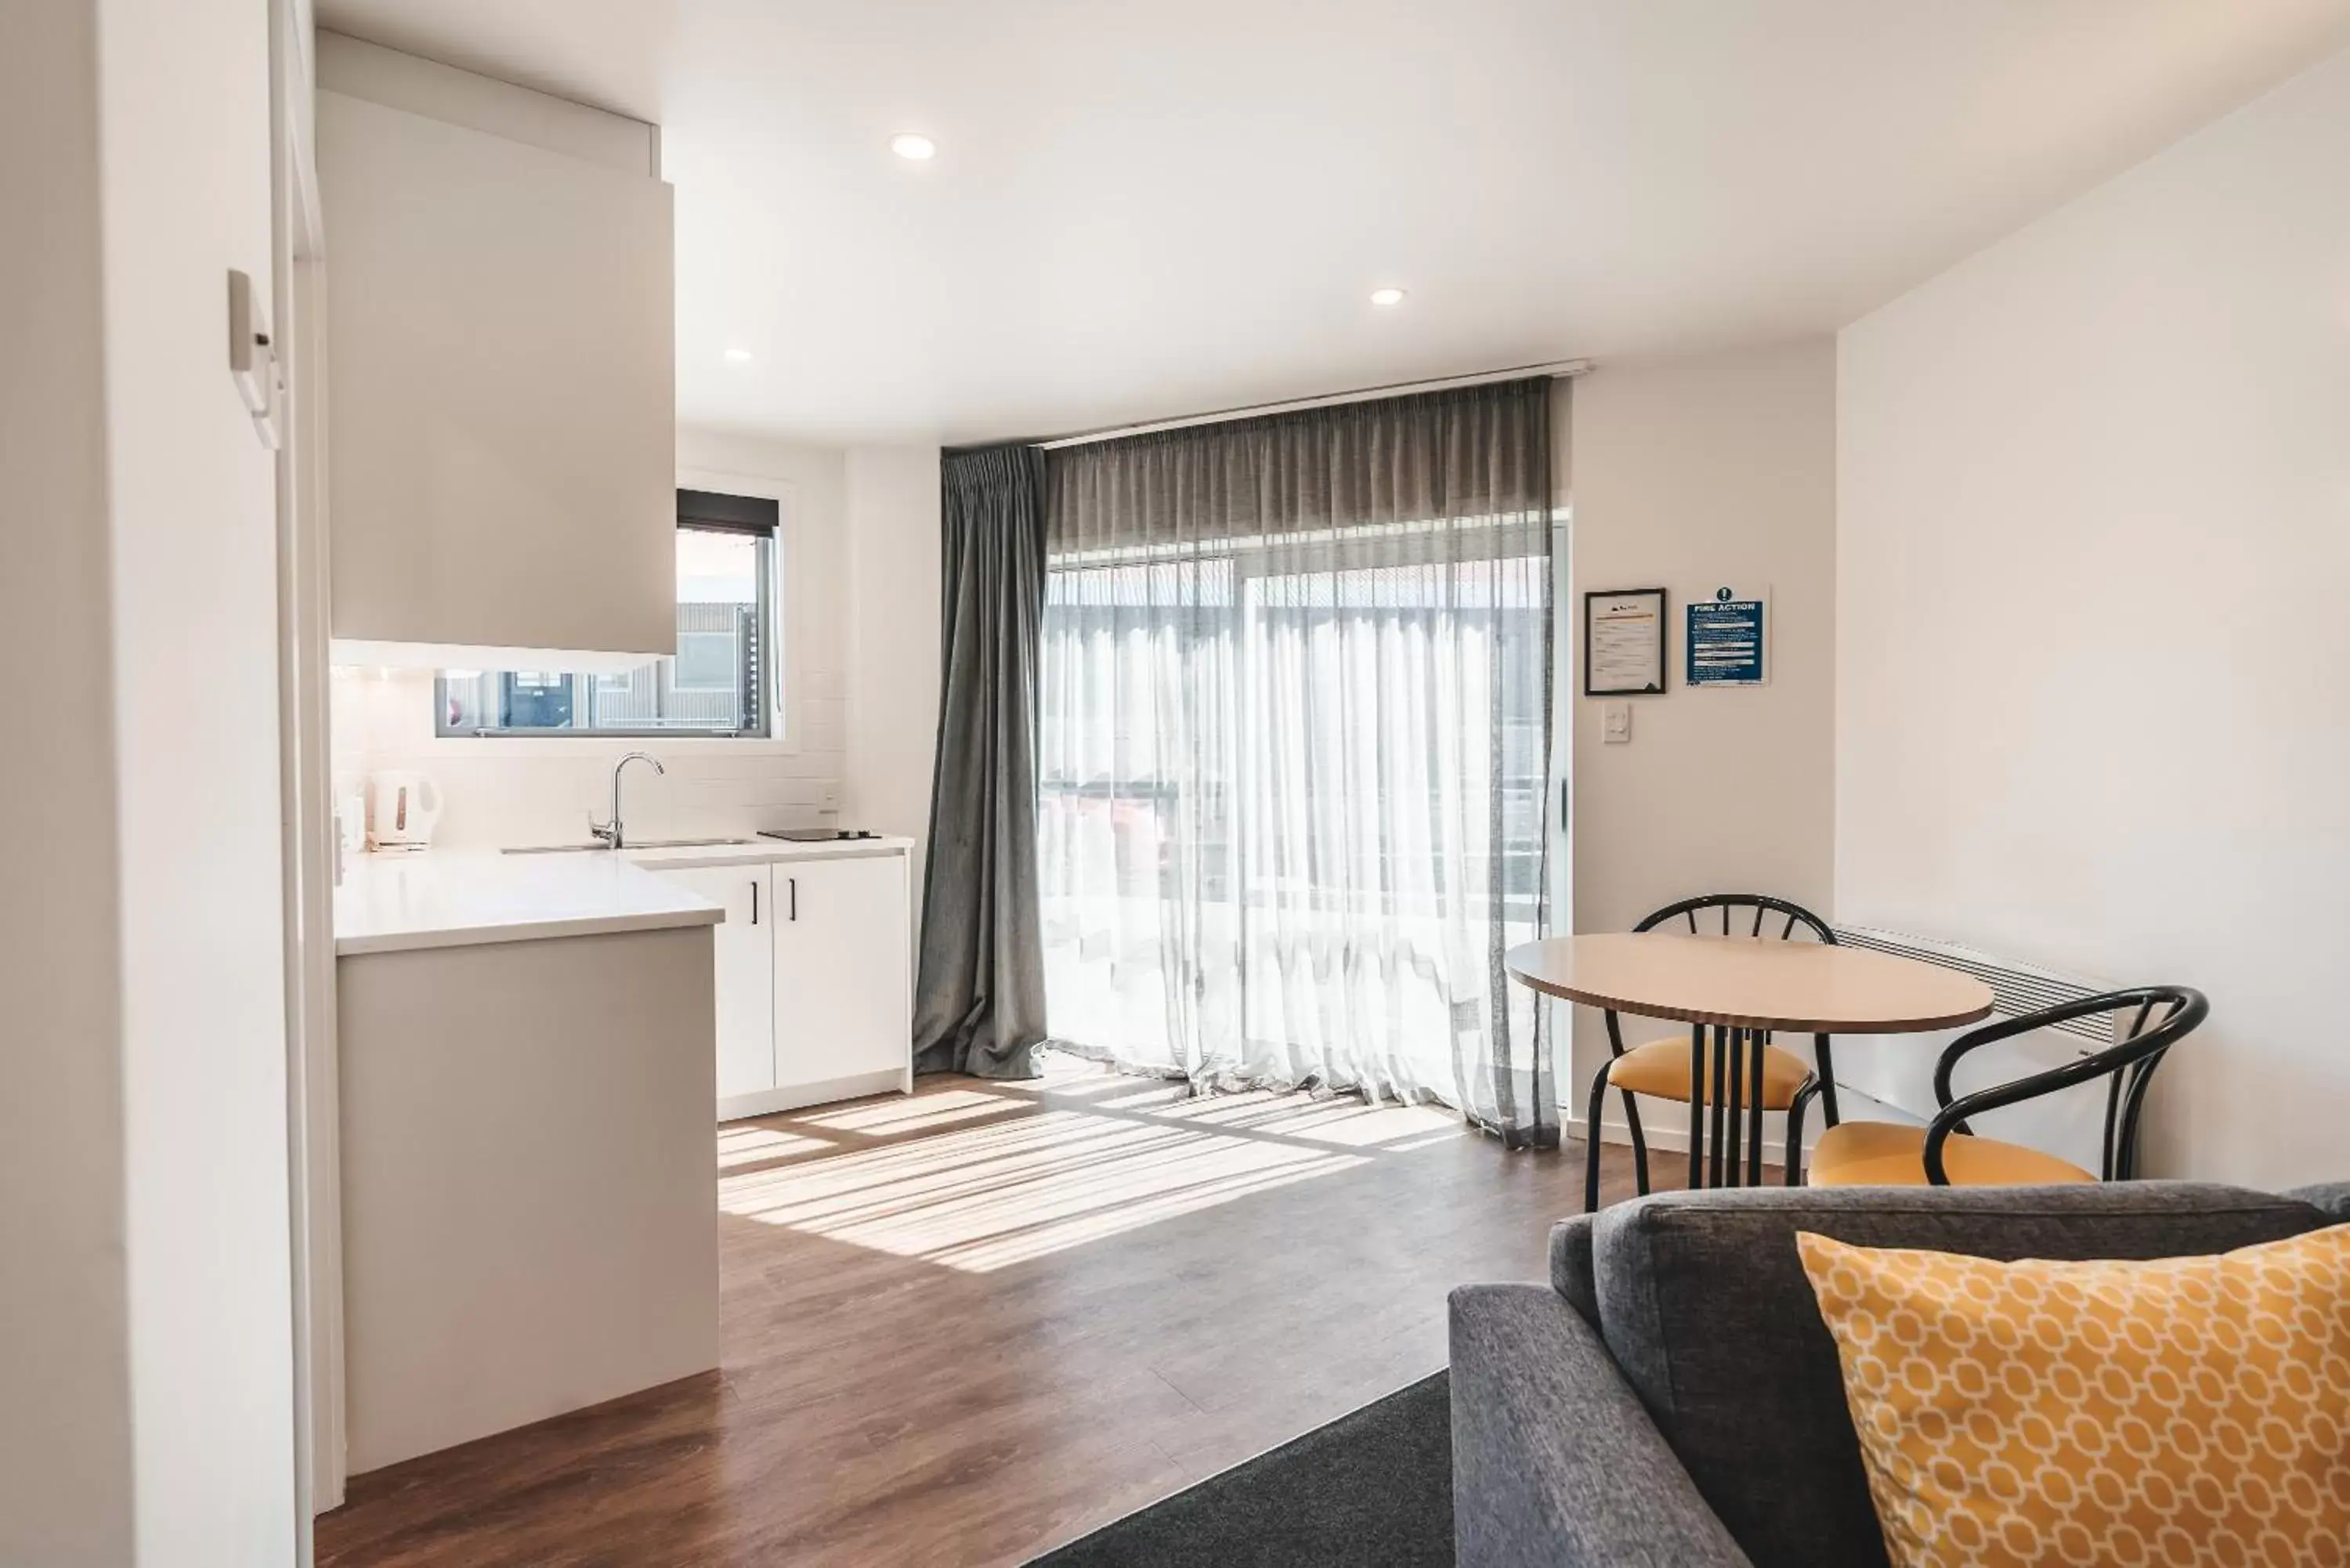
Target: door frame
(304,761)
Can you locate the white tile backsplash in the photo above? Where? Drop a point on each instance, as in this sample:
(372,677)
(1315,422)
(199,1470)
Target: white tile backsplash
(543,791)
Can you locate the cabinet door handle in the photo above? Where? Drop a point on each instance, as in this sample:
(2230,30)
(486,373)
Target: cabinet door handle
(755,903)
(796,896)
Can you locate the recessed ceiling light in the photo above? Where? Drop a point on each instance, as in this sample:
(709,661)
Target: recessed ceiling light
(913,144)
(740,356)
(1387,297)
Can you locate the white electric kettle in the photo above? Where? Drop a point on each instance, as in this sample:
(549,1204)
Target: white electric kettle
(401,809)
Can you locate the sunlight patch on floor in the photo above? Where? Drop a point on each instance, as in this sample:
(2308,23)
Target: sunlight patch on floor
(1161,1094)
(882,1117)
(1345,1121)
(980,1198)
(1453,1128)
(756,1145)
(1068,1074)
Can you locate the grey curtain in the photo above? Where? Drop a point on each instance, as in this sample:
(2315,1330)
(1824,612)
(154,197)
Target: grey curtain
(979,1000)
(1294,750)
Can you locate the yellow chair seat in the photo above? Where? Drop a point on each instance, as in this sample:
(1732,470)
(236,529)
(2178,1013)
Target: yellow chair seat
(1882,1153)
(1661,1068)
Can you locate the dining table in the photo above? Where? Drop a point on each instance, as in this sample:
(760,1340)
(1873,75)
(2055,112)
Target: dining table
(1744,989)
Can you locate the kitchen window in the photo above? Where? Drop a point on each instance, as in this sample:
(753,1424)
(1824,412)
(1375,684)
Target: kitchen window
(721,681)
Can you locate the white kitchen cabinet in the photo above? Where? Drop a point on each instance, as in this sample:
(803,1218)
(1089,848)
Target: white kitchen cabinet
(501,389)
(843,975)
(814,973)
(745,961)
(526,1224)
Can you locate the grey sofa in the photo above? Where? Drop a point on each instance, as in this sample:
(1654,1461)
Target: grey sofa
(1670,1397)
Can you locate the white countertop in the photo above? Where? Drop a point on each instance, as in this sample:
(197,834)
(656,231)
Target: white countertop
(767,849)
(460,898)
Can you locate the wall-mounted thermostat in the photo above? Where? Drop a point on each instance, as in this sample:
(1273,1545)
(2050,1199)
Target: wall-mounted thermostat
(253,359)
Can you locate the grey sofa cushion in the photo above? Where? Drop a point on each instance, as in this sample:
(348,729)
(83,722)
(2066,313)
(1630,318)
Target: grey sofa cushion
(1554,1464)
(1704,1304)
(1570,1265)
(2333,1197)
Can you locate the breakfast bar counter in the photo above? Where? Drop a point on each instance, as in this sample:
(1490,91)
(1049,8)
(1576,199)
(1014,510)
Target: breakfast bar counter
(526,1055)
(461,898)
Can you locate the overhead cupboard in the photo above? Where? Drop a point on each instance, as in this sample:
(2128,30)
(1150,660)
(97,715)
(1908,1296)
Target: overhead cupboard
(815,975)
(501,367)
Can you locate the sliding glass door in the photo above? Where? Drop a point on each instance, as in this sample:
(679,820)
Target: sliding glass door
(1293,790)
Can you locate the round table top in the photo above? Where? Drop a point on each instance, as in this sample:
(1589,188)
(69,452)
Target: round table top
(1748,983)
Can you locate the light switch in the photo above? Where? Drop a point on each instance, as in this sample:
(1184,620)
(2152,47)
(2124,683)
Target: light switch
(253,359)
(1615,722)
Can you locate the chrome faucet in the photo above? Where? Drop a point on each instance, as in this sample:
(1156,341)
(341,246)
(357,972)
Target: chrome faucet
(607,834)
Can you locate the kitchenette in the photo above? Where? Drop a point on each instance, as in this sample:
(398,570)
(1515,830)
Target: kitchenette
(595,891)
(534,1047)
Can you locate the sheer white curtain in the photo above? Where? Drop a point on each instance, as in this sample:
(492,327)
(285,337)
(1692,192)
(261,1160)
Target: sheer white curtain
(1293,734)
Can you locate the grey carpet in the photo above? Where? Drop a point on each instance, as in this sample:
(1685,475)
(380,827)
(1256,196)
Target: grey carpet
(1374,1487)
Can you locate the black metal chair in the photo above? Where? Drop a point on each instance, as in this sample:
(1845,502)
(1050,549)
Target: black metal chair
(1947,1152)
(1661,1068)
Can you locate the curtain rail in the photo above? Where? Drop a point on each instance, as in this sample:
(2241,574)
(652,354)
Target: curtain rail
(1361,395)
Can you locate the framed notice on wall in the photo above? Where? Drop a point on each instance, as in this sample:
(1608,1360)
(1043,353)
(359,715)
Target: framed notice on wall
(1729,638)
(1624,643)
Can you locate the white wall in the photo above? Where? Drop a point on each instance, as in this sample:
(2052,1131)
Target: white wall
(860,605)
(65,1373)
(1690,474)
(2095,528)
(893,641)
(149,1254)
(185,132)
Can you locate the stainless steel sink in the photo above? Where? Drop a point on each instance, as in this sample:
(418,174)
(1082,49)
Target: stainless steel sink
(639,844)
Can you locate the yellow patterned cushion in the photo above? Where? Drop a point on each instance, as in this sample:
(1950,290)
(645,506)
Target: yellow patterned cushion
(1882,1153)
(1661,1069)
(2188,1411)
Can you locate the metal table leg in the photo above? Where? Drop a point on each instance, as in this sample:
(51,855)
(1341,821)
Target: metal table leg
(1697,1106)
(1761,1044)
(1736,1043)
(1721,1104)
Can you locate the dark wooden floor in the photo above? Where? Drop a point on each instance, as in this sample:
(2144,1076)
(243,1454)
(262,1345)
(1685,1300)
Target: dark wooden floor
(964,1326)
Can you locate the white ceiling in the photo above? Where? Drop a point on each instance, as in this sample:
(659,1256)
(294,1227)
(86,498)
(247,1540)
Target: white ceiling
(1140,211)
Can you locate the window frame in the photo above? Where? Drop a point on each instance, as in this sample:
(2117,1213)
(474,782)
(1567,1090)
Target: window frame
(677,674)
(699,511)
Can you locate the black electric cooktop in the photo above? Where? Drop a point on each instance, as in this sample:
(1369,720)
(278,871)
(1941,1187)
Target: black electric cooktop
(816,834)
